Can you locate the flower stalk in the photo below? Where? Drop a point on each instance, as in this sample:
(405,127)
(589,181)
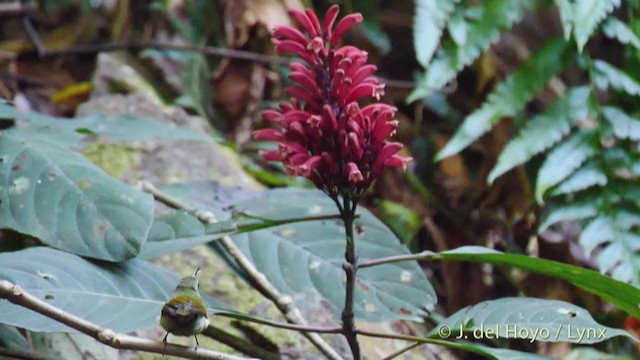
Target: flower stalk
(350,269)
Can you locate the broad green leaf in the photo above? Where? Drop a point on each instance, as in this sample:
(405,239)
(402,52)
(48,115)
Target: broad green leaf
(618,246)
(544,130)
(585,353)
(576,210)
(608,76)
(586,16)
(498,15)
(562,161)
(529,318)
(586,177)
(618,30)
(430,19)
(506,354)
(510,97)
(624,126)
(620,294)
(11,338)
(123,297)
(55,194)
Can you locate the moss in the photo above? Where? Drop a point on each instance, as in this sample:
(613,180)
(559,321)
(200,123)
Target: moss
(117,160)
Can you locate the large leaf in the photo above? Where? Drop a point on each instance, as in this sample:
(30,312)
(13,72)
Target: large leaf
(624,126)
(529,318)
(123,297)
(510,97)
(608,76)
(618,30)
(585,353)
(617,246)
(616,292)
(497,16)
(430,18)
(12,338)
(55,194)
(305,260)
(543,131)
(586,15)
(563,161)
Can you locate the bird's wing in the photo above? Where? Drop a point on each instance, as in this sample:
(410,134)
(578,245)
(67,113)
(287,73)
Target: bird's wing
(184,309)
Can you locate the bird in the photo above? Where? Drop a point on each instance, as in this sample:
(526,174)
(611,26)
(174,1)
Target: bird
(185,313)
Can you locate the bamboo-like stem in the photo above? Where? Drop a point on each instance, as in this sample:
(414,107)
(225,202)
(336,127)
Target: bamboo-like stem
(19,296)
(350,269)
(283,302)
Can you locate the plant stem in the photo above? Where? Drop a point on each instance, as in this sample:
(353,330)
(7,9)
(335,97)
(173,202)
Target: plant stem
(397,258)
(282,325)
(18,296)
(350,269)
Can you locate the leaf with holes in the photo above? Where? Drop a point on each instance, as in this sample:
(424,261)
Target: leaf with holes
(543,131)
(531,318)
(510,97)
(55,194)
(123,297)
(498,15)
(563,160)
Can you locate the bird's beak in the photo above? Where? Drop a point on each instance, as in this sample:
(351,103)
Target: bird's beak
(195,272)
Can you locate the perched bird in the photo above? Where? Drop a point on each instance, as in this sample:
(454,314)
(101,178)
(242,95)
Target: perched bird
(185,313)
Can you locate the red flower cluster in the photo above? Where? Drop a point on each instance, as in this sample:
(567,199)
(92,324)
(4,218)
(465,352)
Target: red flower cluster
(325,135)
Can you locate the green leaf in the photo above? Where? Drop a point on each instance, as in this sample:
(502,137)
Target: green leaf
(123,297)
(586,177)
(506,354)
(582,209)
(620,294)
(542,131)
(585,353)
(618,247)
(430,19)
(562,161)
(586,16)
(529,318)
(510,97)
(305,260)
(624,126)
(55,194)
(498,15)
(616,29)
(565,7)
(608,76)
(12,338)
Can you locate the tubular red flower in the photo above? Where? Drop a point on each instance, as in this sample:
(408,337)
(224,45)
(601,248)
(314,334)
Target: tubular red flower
(326,136)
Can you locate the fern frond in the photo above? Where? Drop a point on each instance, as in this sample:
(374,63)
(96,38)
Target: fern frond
(624,126)
(563,161)
(565,8)
(586,16)
(584,208)
(497,16)
(543,131)
(584,178)
(510,97)
(608,76)
(430,19)
(616,29)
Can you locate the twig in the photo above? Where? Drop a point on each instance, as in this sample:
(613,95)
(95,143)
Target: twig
(22,355)
(401,351)
(283,325)
(18,296)
(33,35)
(238,343)
(283,302)
(397,258)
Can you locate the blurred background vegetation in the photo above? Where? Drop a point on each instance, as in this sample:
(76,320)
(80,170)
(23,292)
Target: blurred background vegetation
(541,95)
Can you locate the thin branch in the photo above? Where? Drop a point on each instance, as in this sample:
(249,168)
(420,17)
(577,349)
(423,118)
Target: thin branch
(401,351)
(238,343)
(33,35)
(283,302)
(397,258)
(18,296)
(283,325)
